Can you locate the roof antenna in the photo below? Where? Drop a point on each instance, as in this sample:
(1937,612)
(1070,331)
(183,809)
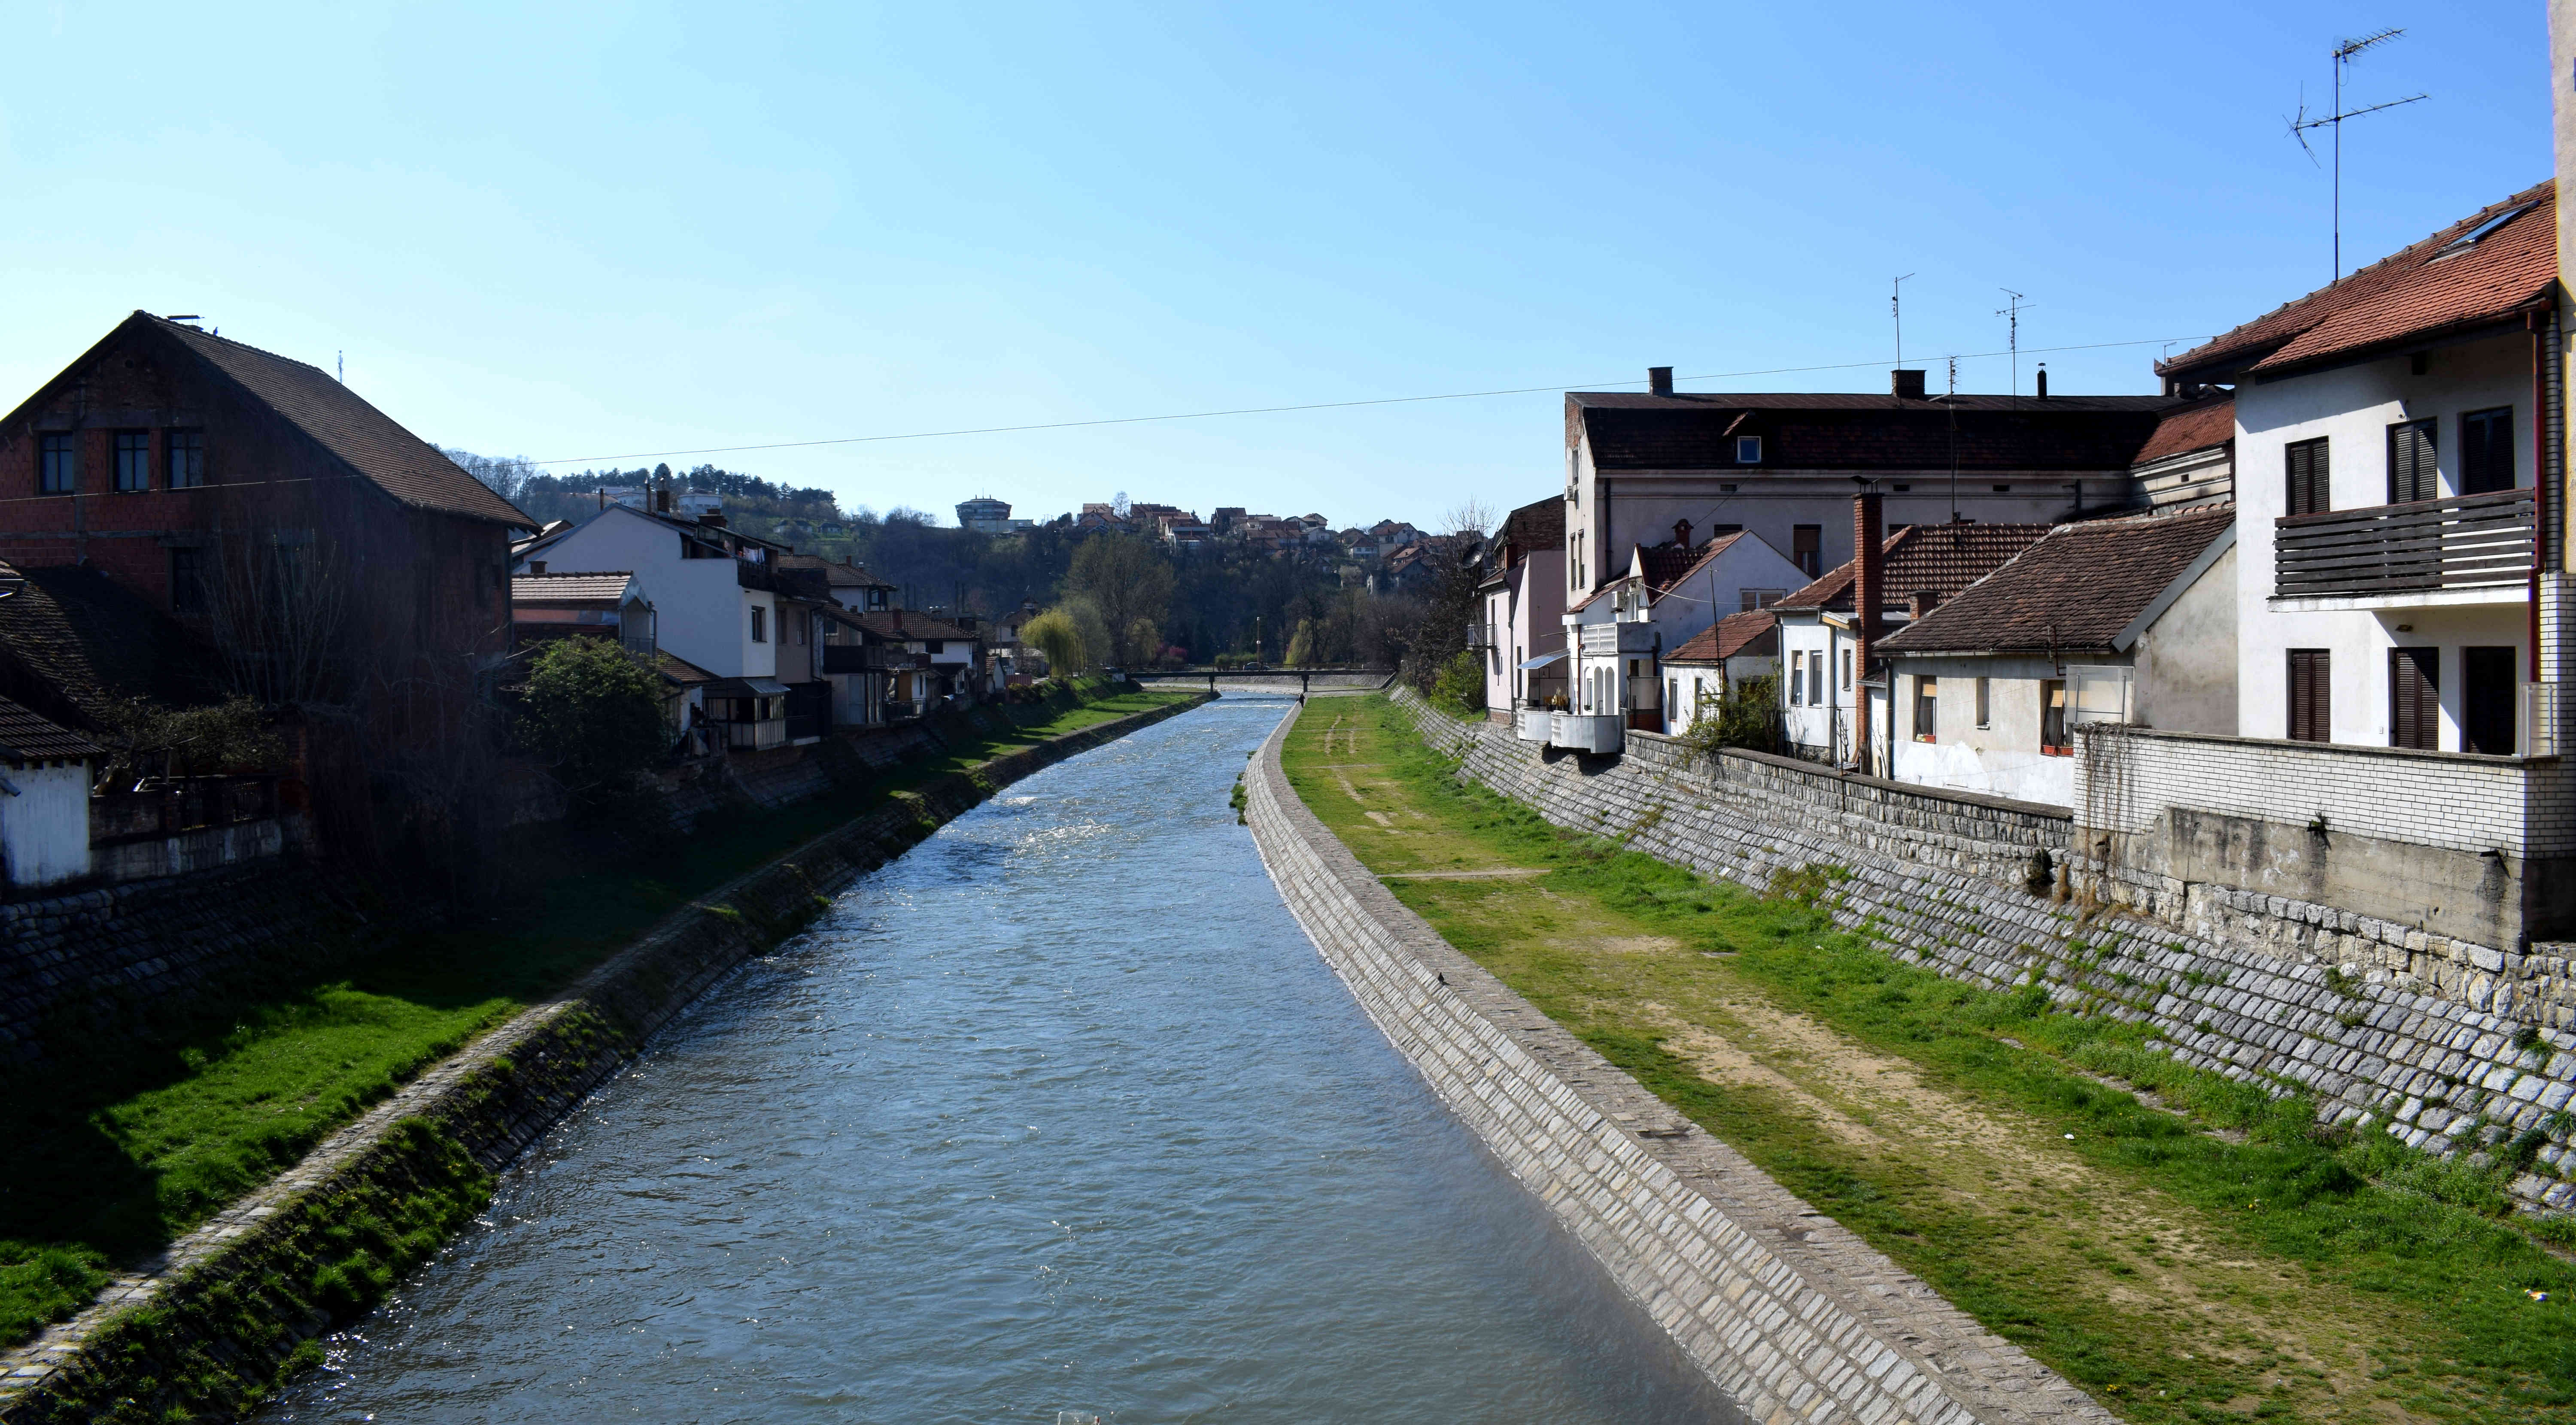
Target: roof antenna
(1896,310)
(1953,404)
(2012,309)
(2344,53)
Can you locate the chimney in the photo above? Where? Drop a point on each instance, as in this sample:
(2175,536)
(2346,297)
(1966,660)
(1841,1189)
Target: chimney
(1869,591)
(662,497)
(2043,380)
(536,566)
(1681,533)
(712,520)
(1920,602)
(1905,385)
(1659,380)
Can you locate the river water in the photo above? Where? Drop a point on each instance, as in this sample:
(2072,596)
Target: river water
(1060,1112)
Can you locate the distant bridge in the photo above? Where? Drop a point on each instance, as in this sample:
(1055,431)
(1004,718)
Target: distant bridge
(1301,681)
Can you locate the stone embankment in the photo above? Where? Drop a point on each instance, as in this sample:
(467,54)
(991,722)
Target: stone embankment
(229,1306)
(1790,1315)
(1946,882)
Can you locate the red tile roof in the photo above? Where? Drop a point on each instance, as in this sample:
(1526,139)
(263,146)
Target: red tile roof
(1940,559)
(2415,293)
(552,587)
(2073,592)
(1726,638)
(2198,427)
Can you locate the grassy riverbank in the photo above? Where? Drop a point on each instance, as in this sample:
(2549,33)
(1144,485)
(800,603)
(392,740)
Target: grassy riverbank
(2206,1256)
(116,1148)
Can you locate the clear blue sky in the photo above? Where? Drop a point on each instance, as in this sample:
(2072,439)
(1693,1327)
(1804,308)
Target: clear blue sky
(565,230)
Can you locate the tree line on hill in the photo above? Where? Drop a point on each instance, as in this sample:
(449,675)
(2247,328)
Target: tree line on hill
(1113,599)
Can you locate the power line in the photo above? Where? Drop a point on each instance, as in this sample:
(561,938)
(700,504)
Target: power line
(1282,410)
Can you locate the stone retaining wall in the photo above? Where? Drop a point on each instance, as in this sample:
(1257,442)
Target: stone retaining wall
(2447,1074)
(225,1309)
(1790,1315)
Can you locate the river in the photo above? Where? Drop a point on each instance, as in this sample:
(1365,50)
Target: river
(1059,1115)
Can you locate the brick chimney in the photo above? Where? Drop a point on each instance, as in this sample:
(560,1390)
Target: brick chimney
(1681,533)
(1869,591)
(2043,380)
(1905,384)
(1920,602)
(1659,380)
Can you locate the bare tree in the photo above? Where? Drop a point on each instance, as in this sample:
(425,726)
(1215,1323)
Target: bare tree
(277,604)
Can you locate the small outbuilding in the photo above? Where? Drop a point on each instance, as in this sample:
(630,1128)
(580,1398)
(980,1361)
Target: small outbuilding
(45,773)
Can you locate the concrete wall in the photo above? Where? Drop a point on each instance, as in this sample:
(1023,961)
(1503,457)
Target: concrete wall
(2240,987)
(2353,407)
(1791,1316)
(204,849)
(2186,659)
(44,829)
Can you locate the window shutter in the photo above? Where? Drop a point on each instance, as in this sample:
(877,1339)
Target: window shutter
(2414,469)
(2415,698)
(2311,703)
(2309,477)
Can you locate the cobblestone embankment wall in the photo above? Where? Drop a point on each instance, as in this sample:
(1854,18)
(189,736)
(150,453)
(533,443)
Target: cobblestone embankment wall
(1790,1315)
(2449,1075)
(229,1304)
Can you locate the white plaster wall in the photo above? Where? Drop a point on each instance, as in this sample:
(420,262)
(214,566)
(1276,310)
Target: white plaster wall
(2002,757)
(44,830)
(702,612)
(2186,659)
(1812,726)
(1689,607)
(2354,406)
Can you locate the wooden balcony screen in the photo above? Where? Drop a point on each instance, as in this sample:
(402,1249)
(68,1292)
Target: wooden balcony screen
(2469,541)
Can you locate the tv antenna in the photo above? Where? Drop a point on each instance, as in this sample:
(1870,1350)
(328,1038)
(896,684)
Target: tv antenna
(1896,311)
(2345,51)
(2012,310)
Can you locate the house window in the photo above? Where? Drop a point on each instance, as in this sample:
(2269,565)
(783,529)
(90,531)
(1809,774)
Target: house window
(186,452)
(2311,695)
(187,581)
(937,646)
(1748,450)
(2309,477)
(57,465)
(2053,741)
(134,460)
(1816,679)
(1847,653)
(2415,698)
(759,625)
(1984,707)
(1797,679)
(1927,702)
(1762,598)
(2486,451)
(1807,548)
(2414,466)
(2487,683)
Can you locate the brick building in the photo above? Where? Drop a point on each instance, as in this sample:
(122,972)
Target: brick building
(333,559)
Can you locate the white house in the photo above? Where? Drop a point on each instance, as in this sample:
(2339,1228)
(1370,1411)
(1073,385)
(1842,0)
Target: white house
(44,799)
(714,597)
(1720,659)
(1521,606)
(2385,434)
(1820,633)
(2122,621)
(1782,465)
(1670,594)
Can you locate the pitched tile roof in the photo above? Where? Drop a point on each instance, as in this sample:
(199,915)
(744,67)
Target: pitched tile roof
(74,642)
(25,738)
(2414,293)
(2203,426)
(680,670)
(2073,592)
(1668,564)
(1936,558)
(837,574)
(366,439)
(551,587)
(1840,431)
(1726,638)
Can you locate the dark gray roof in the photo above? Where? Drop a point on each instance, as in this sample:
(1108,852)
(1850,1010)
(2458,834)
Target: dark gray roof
(25,738)
(1819,430)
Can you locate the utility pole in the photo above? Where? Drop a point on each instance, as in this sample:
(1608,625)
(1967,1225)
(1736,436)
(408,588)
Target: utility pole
(2012,309)
(2345,51)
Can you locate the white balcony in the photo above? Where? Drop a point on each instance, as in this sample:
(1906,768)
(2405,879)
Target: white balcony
(1531,724)
(1587,732)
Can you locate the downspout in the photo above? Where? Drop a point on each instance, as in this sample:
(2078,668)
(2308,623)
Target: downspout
(2541,341)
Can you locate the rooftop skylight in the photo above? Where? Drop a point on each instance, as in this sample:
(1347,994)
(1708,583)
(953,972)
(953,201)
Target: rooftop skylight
(2478,234)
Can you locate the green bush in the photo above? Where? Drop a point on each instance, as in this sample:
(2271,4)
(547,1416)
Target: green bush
(1747,717)
(1460,687)
(594,713)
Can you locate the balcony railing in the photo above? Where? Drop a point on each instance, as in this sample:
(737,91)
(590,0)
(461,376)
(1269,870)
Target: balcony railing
(2473,541)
